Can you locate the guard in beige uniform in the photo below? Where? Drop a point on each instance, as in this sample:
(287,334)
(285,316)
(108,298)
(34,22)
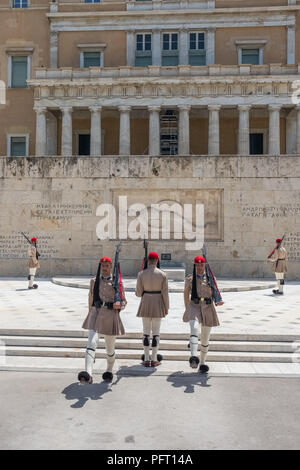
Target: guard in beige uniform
(152,287)
(103,318)
(33,263)
(279,260)
(199,310)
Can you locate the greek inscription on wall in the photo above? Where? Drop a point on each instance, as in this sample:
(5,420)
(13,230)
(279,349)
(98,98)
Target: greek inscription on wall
(282,210)
(14,245)
(63,212)
(292,244)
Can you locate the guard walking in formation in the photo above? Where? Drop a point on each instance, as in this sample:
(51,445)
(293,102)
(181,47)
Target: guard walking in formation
(200,309)
(279,259)
(152,287)
(103,318)
(33,263)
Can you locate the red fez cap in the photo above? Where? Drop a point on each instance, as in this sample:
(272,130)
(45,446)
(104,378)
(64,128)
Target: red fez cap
(105,259)
(199,259)
(278,240)
(153,255)
(33,239)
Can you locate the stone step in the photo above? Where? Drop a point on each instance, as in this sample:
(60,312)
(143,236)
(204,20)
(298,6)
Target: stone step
(126,367)
(165,344)
(60,333)
(169,355)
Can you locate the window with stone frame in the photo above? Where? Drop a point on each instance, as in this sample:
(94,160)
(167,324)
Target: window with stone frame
(20,3)
(17,145)
(18,70)
(250,56)
(170,52)
(143,50)
(92,59)
(197,52)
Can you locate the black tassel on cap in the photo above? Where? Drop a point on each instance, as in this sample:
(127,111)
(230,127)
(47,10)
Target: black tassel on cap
(194,285)
(96,296)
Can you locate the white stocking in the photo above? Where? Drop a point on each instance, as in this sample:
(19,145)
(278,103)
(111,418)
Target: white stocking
(32,272)
(205,334)
(279,276)
(146,339)
(194,325)
(110,351)
(91,351)
(155,337)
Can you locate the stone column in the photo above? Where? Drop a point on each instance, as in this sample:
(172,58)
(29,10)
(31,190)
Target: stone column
(184,130)
(156,47)
(213,130)
(95,130)
(66,131)
(130,47)
(124,142)
(291,44)
(274,130)
(54,49)
(154,130)
(41,132)
(298,129)
(210,47)
(183,47)
(244,140)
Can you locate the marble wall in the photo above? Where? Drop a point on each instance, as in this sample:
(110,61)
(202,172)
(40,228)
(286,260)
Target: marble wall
(248,202)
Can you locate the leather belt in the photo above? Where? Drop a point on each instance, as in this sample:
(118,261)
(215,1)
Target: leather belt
(152,292)
(207,300)
(109,305)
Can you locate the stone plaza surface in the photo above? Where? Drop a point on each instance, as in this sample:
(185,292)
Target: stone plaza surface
(257,336)
(57,307)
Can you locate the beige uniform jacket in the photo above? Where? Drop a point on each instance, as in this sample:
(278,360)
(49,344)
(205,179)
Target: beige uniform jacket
(104,320)
(203,312)
(279,260)
(32,261)
(152,305)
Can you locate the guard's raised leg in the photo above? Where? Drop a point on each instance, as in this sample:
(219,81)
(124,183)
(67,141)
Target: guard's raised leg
(146,341)
(110,357)
(86,376)
(156,358)
(194,360)
(205,334)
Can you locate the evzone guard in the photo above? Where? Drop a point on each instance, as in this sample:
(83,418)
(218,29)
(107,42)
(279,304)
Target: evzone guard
(33,263)
(152,287)
(200,294)
(106,300)
(279,259)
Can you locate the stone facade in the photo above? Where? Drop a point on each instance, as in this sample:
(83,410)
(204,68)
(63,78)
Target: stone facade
(249,201)
(188,125)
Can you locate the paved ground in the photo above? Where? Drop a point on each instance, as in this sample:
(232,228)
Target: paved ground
(53,412)
(56,307)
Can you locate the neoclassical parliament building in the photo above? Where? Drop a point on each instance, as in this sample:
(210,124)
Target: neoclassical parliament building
(192,99)
(149,77)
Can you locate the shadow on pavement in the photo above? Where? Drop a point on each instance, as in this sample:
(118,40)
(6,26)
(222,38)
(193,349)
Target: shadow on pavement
(83,393)
(135,371)
(188,381)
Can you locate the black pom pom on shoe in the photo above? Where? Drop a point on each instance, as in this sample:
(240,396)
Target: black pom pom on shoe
(159,357)
(84,377)
(108,376)
(194,362)
(203,368)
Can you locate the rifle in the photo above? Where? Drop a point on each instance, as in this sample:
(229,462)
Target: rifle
(117,278)
(37,253)
(145,259)
(276,247)
(211,279)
